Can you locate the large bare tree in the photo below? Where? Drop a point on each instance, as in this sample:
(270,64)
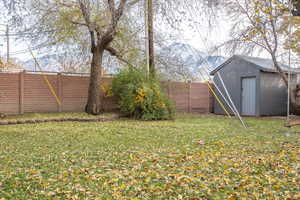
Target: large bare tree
(97,22)
(101,35)
(296,7)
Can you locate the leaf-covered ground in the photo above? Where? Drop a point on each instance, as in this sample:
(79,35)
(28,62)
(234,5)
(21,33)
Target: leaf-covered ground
(192,157)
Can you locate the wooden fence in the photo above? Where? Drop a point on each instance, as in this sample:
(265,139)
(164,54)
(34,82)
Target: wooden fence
(26,92)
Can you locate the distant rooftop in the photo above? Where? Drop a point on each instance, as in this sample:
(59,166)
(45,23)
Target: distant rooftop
(263,64)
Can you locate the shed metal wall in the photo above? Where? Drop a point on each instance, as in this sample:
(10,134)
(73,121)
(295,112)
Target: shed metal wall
(232,75)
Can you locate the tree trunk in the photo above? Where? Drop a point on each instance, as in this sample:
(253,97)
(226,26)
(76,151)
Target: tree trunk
(94,100)
(295,107)
(296,7)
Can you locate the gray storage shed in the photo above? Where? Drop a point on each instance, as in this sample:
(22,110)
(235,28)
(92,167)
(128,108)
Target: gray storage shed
(254,86)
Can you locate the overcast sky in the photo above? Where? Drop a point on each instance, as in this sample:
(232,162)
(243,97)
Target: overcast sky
(201,36)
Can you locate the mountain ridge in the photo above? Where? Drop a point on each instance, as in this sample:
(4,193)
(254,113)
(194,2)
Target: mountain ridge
(187,60)
(181,62)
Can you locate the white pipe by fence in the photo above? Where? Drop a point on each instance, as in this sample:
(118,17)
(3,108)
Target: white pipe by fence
(222,95)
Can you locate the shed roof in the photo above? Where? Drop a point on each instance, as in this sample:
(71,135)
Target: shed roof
(262,64)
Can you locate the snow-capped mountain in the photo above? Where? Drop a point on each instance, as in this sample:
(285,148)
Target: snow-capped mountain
(184,52)
(185,62)
(47,63)
(61,62)
(214,61)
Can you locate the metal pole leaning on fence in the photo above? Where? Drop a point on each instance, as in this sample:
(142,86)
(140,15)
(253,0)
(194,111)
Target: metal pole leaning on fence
(228,95)
(45,78)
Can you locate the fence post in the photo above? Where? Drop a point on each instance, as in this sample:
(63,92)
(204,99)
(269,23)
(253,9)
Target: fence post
(21,92)
(189,96)
(59,93)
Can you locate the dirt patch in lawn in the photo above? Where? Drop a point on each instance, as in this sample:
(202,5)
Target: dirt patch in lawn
(64,119)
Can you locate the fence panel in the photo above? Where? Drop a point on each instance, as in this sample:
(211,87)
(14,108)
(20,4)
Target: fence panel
(74,93)
(200,98)
(179,93)
(9,93)
(28,92)
(37,95)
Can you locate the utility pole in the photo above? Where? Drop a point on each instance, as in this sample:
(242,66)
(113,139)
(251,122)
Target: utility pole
(7,43)
(146,35)
(150,37)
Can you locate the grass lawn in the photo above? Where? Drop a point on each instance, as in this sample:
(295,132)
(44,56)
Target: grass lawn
(192,157)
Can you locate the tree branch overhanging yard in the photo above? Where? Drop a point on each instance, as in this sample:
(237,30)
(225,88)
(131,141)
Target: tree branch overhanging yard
(190,157)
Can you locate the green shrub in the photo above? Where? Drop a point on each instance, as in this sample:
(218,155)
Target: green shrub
(141,97)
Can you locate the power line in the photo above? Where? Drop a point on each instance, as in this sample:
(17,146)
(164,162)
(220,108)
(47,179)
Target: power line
(25,34)
(15,34)
(23,51)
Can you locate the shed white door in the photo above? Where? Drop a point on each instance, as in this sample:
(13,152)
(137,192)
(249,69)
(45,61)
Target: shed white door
(248,96)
